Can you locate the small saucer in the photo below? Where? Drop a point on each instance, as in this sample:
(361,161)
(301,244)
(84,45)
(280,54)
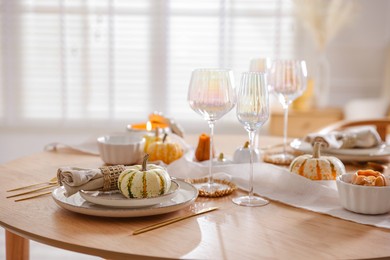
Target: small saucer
(227,187)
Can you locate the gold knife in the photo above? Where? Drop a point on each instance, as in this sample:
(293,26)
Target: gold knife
(173,220)
(32,191)
(34,196)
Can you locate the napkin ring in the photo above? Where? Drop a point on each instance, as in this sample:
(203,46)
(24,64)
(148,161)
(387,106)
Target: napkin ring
(110,176)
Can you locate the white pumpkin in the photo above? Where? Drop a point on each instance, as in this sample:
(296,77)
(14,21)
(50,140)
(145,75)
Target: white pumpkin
(317,167)
(242,154)
(144,181)
(221,160)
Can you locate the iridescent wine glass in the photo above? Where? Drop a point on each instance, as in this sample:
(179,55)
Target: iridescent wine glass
(211,95)
(259,64)
(287,80)
(252,111)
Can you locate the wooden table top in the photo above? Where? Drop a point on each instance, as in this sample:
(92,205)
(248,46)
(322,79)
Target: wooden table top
(232,232)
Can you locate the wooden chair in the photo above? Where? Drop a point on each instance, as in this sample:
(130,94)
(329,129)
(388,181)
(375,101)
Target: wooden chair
(382,126)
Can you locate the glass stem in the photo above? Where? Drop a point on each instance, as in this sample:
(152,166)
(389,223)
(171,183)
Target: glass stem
(285,108)
(211,125)
(251,149)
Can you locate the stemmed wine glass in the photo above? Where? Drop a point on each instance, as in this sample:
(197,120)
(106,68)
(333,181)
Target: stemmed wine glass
(259,64)
(287,79)
(211,94)
(252,111)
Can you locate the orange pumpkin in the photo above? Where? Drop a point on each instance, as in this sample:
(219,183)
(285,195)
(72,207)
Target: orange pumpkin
(164,151)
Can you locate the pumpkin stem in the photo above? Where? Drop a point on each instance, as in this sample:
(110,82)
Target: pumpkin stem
(165,137)
(221,157)
(246,145)
(317,150)
(144,162)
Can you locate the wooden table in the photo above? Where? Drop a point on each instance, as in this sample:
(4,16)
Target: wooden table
(232,232)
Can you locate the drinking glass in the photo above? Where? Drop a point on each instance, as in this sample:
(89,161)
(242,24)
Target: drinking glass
(252,111)
(287,79)
(211,94)
(259,65)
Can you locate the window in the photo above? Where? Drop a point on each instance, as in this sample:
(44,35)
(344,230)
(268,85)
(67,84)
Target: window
(74,62)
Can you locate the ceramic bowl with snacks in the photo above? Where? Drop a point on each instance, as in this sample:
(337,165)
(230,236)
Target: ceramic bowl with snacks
(121,149)
(364,192)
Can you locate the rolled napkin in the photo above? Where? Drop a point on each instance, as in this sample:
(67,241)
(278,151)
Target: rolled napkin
(352,137)
(75,179)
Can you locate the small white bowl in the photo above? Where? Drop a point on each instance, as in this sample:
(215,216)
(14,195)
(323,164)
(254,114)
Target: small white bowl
(363,199)
(121,149)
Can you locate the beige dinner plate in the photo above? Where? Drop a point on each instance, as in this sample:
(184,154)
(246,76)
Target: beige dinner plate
(117,200)
(184,197)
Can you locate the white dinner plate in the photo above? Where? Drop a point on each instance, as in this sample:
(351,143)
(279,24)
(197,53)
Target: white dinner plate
(185,196)
(116,199)
(379,153)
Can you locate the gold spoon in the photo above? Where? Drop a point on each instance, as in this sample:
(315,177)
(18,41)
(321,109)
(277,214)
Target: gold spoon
(50,182)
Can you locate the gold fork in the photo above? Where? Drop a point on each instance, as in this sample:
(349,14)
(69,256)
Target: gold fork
(50,182)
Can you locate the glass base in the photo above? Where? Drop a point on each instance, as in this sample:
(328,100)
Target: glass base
(250,201)
(279,158)
(218,188)
(211,187)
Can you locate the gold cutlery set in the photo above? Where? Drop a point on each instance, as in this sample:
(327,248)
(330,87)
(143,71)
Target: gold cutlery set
(173,220)
(33,191)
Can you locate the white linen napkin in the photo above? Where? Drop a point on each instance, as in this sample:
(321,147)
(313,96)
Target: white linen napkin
(89,147)
(352,137)
(278,184)
(74,179)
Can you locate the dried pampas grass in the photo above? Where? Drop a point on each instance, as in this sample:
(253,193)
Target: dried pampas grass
(324,18)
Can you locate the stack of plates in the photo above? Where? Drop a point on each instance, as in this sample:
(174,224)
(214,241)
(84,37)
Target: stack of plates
(378,153)
(114,204)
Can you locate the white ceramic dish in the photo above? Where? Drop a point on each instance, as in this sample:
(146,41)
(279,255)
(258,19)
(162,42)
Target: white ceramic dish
(121,149)
(185,196)
(117,200)
(362,199)
(379,153)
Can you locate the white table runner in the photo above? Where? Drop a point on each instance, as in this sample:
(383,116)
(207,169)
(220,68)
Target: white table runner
(278,184)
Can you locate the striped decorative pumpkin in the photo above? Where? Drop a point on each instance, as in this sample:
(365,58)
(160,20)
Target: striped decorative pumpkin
(164,151)
(317,167)
(144,181)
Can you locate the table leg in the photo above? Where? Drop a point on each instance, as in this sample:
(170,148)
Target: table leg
(17,247)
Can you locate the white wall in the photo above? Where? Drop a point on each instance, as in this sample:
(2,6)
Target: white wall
(356,55)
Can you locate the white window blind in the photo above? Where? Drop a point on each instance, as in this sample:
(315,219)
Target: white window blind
(115,61)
